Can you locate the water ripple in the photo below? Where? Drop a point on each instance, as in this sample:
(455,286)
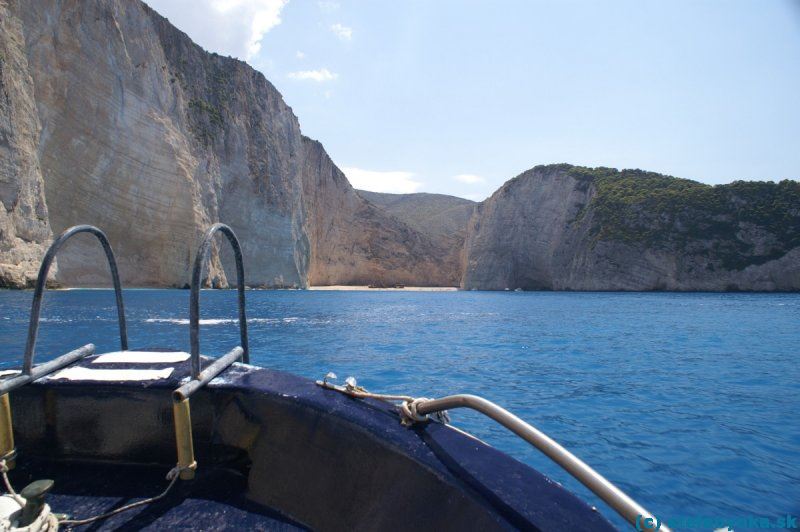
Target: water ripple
(689,401)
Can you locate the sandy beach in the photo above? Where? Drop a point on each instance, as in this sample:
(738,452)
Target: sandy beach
(406,289)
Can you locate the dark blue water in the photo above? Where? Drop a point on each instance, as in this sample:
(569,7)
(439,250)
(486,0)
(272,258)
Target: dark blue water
(690,402)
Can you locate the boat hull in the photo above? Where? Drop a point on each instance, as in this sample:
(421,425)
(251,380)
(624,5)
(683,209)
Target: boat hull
(274,451)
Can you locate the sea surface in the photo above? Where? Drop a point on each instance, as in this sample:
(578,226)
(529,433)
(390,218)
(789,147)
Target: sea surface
(689,402)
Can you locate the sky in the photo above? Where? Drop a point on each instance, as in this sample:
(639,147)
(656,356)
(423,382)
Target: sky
(457,97)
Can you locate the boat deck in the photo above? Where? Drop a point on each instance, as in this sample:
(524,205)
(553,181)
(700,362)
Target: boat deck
(214,500)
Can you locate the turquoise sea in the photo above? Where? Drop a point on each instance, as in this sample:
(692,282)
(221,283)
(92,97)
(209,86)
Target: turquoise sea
(690,402)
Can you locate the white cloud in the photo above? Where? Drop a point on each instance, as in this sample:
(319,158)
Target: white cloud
(300,55)
(397,182)
(343,32)
(228,27)
(469,179)
(320,75)
(328,6)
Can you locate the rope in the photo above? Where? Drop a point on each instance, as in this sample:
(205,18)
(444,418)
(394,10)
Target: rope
(47,521)
(408,411)
(407,407)
(52,521)
(7,482)
(362,393)
(172,476)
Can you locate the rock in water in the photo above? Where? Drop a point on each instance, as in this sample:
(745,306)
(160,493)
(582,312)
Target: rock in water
(562,227)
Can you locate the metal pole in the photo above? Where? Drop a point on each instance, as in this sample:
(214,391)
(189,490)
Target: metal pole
(42,370)
(7,448)
(629,509)
(194,297)
(182,417)
(205,376)
(41,281)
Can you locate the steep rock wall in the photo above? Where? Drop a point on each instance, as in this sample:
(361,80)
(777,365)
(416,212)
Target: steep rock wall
(119,120)
(24,222)
(561,227)
(354,242)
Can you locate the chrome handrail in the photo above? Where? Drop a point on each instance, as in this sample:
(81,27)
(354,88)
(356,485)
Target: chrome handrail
(624,505)
(31,373)
(194,302)
(41,281)
(181,410)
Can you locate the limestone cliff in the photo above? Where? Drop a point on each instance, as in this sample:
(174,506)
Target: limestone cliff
(355,242)
(442,218)
(24,223)
(561,227)
(111,116)
(115,118)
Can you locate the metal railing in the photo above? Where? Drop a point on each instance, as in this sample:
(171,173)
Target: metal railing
(201,378)
(41,281)
(180,397)
(623,504)
(31,373)
(194,303)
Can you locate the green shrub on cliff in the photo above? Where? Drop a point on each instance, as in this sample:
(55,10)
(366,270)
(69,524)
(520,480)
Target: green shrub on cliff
(666,212)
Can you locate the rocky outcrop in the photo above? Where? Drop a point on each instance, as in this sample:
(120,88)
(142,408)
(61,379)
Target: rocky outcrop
(24,222)
(354,242)
(442,218)
(561,227)
(115,118)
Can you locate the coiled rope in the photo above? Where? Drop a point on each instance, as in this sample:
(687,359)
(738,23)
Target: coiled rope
(45,521)
(408,410)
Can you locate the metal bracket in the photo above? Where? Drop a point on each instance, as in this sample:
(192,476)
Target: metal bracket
(183,438)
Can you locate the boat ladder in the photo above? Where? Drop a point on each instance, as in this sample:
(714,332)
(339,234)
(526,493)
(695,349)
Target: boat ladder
(180,398)
(30,372)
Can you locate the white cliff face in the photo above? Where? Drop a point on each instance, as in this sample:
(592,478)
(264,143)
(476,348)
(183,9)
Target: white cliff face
(119,120)
(515,238)
(24,223)
(354,242)
(130,143)
(543,230)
